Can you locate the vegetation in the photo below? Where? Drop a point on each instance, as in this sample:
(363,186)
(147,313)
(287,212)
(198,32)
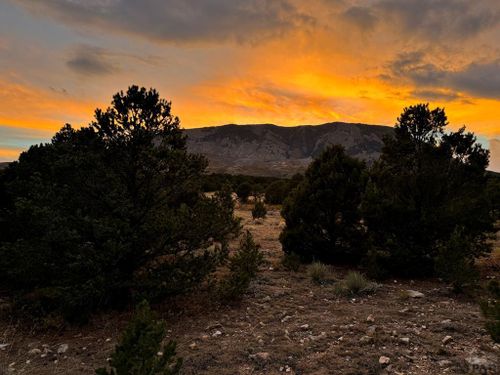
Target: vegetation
(243,191)
(354,284)
(291,262)
(215,181)
(428,187)
(322,214)
(491,310)
(139,351)
(318,272)
(110,213)
(278,191)
(243,267)
(259,210)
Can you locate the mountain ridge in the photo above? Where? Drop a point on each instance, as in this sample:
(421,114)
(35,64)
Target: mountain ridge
(273,150)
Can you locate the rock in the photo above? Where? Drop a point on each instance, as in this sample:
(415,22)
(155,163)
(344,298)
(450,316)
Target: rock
(63,348)
(405,340)
(217,333)
(286,318)
(446,321)
(481,365)
(304,327)
(445,363)
(447,339)
(35,351)
(193,346)
(415,294)
(370,318)
(384,361)
(371,330)
(266,299)
(3,346)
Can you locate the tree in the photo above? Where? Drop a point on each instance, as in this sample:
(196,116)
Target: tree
(259,210)
(243,191)
(137,352)
(322,215)
(277,191)
(427,185)
(110,213)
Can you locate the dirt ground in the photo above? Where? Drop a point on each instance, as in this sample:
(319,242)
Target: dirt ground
(285,324)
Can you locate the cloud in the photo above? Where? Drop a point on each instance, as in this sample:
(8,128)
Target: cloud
(478,79)
(178,21)
(431,19)
(89,60)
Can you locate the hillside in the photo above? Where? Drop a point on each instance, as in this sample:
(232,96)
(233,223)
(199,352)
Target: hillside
(271,150)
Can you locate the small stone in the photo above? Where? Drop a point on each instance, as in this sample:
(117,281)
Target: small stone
(446,321)
(159,354)
(370,318)
(193,346)
(304,326)
(3,346)
(217,333)
(262,356)
(266,299)
(405,340)
(62,348)
(447,339)
(384,361)
(415,294)
(286,318)
(35,351)
(205,337)
(445,363)
(108,340)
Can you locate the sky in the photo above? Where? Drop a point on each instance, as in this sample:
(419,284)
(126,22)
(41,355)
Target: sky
(287,62)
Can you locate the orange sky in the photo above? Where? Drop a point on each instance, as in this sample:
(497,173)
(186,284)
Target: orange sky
(287,62)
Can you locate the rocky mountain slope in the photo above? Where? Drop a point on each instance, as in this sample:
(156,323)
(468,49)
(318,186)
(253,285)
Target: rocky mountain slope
(272,150)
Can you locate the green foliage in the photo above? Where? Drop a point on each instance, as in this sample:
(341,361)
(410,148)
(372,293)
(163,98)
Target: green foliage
(491,311)
(215,181)
(243,267)
(137,352)
(109,213)
(455,261)
(243,191)
(259,210)
(426,184)
(322,215)
(291,262)
(318,272)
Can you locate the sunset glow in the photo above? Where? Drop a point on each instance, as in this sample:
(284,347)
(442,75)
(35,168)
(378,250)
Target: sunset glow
(287,62)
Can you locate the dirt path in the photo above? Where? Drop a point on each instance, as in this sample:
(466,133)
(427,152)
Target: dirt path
(286,324)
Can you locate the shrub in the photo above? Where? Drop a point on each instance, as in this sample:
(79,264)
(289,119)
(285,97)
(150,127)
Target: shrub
(354,284)
(243,191)
(426,184)
(109,213)
(277,192)
(322,215)
(259,210)
(243,267)
(491,311)
(137,352)
(455,263)
(291,262)
(318,272)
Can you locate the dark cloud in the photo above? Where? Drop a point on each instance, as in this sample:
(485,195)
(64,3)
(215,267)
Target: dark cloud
(431,19)
(431,95)
(179,20)
(476,79)
(89,60)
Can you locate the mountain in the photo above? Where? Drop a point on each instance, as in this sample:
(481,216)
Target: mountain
(271,150)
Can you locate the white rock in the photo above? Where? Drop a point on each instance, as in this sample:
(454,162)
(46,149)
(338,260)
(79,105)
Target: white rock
(3,346)
(447,339)
(262,356)
(405,340)
(370,318)
(415,294)
(217,333)
(383,360)
(35,351)
(193,346)
(286,318)
(304,326)
(62,348)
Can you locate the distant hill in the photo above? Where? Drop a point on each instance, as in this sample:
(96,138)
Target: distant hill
(271,150)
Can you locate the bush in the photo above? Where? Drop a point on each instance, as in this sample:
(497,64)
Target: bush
(243,191)
(291,262)
(277,192)
(322,215)
(110,213)
(491,311)
(455,263)
(259,210)
(137,352)
(243,267)
(354,284)
(318,272)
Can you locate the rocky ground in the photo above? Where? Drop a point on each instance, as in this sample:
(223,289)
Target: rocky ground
(286,324)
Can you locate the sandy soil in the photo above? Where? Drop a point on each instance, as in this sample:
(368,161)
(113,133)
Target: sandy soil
(286,324)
